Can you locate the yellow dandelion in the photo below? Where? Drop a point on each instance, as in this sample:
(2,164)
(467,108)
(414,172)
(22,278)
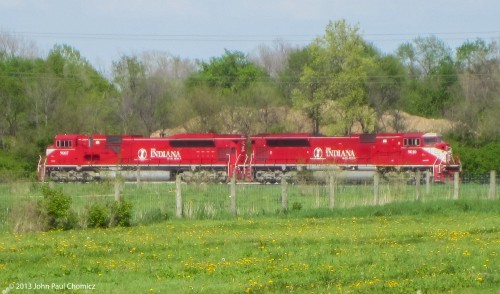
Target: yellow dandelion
(392,283)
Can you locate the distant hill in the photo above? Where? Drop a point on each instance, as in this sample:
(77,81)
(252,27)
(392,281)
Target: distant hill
(296,121)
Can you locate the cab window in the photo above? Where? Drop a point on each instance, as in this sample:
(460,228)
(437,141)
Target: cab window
(411,142)
(64,143)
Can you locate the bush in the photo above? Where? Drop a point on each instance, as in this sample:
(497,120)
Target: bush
(55,210)
(121,214)
(110,215)
(296,206)
(98,216)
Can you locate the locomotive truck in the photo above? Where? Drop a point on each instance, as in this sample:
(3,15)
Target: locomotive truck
(264,158)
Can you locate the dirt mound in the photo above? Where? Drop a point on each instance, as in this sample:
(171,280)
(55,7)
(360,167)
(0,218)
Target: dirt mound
(297,121)
(413,123)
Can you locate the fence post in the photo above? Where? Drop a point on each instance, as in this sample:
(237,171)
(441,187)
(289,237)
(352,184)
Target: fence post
(493,185)
(376,180)
(456,180)
(417,184)
(178,197)
(331,189)
(138,174)
(233,194)
(284,200)
(118,188)
(427,182)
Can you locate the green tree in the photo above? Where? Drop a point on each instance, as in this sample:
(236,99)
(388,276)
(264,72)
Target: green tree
(232,72)
(431,76)
(229,79)
(478,103)
(289,78)
(337,72)
(130,78)
(148,85)
(79,89)
(13,74)
(385,81)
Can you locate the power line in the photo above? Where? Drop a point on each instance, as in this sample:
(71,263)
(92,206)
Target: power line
(244,37)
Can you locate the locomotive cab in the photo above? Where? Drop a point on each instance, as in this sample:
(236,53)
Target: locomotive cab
(63,145)
(59,156)
(446,164)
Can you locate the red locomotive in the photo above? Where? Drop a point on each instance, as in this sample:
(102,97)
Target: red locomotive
(277,155)
(89,158)
(213,157)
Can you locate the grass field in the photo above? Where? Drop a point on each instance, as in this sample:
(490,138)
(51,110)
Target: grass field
(418,247)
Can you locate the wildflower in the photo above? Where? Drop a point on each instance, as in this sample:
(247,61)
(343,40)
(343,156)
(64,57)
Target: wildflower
(392,283)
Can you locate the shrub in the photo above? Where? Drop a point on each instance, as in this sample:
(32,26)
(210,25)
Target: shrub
(98,216)
(55,210)
(296,206)
(121,213)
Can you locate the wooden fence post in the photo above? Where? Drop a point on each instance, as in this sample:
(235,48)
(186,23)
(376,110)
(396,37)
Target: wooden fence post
(178,197)
(138,175)
(118,188)
(234,210)
(418,185)
(456,180)
(493,185)
(376,180)
(427,182)
(284,200)
(331,189)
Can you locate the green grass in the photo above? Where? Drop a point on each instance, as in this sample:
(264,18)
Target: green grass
(431,247)
(154,202)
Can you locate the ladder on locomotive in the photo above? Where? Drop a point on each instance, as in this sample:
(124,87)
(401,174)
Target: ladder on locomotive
(245,171)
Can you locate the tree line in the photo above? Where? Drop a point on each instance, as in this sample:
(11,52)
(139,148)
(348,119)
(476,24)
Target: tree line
(336,84)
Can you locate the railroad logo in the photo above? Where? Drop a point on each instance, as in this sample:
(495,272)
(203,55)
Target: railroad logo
(165,154)
(318,153)
(347,154)
(142,154)
(337,154)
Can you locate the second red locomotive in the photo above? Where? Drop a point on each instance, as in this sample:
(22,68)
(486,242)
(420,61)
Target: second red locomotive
(277,155)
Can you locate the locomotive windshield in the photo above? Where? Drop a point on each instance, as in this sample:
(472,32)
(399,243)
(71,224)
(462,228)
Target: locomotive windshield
(431,141)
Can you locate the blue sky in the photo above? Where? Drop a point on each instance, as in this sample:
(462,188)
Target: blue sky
(104,30)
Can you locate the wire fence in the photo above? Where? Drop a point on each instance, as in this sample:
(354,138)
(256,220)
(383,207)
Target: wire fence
(154,201)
